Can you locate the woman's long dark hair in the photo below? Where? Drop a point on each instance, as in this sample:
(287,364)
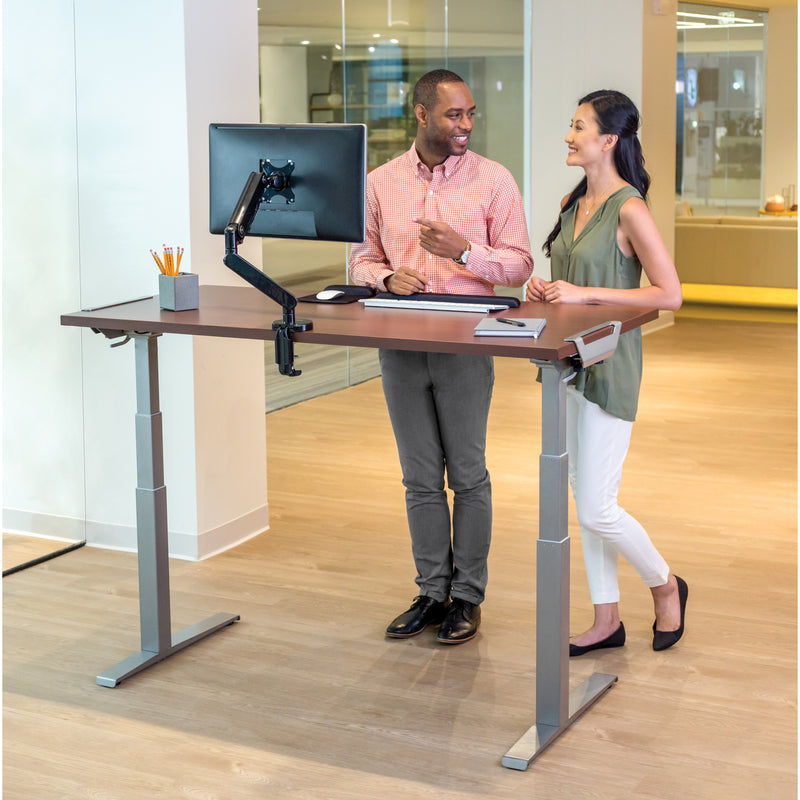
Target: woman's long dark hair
(616,114)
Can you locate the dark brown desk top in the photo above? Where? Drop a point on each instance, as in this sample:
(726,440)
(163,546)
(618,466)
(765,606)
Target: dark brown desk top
(244,313)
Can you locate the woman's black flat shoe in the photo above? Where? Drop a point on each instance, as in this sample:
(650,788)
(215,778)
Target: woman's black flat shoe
(662,640)
(617,639)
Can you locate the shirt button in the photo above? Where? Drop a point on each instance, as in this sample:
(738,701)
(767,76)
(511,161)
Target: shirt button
(430,191)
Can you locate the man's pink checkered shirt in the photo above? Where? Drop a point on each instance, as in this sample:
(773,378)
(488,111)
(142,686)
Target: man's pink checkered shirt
(476,197)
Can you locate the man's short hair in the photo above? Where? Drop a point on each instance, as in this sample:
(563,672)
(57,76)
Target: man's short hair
(427,89)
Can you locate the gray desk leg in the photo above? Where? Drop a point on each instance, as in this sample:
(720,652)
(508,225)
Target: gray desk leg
(556,707)
(157,640)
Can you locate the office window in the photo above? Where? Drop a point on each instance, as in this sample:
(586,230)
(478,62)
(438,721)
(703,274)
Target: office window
(358,61)
(720,103)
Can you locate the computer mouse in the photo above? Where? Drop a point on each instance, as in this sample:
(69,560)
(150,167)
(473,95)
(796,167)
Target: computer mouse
(329,294)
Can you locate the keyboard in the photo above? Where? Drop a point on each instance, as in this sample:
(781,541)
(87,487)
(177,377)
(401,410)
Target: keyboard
(433,305)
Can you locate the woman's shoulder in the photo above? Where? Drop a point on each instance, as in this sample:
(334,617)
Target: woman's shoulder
(629,200)
(627,191)
(634,215)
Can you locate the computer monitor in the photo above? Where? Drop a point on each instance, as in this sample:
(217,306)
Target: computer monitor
(315,179)
(291,181)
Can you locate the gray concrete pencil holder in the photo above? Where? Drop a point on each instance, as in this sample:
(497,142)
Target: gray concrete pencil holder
(179,292)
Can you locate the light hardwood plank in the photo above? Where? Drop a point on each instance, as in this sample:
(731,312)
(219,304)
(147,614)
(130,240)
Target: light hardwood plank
(305,698)
(19,549)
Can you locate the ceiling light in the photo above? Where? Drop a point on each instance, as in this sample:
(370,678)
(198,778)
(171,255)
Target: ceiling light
(690,21)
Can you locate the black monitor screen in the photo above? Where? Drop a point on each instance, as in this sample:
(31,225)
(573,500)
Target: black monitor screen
(316,173)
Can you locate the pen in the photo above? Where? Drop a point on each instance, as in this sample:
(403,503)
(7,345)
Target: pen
(510,321)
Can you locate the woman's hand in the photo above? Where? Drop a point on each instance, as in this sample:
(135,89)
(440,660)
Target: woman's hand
(535,289)
(563,292)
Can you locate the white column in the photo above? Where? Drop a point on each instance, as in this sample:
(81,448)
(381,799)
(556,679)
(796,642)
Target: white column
(780,129)
(107,120)
(658,134)
(578,47)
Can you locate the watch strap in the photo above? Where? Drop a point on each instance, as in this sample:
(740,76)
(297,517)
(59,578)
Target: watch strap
(462,259)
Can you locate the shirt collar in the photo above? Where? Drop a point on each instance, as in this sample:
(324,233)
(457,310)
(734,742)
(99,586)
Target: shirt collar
(450,163)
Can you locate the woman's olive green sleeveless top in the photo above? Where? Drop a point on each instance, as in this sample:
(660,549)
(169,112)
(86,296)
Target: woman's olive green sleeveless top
(594,259)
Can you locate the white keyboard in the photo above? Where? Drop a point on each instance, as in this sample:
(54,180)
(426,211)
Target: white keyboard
(433,305)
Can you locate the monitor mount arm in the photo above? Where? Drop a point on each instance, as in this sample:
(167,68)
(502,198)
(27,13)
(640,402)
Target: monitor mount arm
(258,184)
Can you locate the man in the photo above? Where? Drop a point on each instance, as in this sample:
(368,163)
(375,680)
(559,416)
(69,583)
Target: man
(442,219)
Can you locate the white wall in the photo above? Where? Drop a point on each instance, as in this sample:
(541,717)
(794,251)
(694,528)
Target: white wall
(111,141)
(42,381)
(578,47)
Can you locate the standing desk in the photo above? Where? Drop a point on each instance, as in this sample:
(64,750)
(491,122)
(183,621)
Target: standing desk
(575,335)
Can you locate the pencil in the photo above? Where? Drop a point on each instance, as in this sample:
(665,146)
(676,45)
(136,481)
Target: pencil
(158,262)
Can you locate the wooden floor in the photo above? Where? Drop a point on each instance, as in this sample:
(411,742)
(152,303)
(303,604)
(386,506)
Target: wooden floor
(305,699)
(20,550)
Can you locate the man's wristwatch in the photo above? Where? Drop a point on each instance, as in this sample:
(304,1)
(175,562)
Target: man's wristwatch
(462,259)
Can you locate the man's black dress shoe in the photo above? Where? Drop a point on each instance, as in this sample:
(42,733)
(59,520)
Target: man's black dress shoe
(424,611)
(461,623)
(663,640)
(617,639)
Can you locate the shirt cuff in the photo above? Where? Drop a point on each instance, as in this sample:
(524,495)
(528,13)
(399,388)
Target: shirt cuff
(380,284)
(477,262)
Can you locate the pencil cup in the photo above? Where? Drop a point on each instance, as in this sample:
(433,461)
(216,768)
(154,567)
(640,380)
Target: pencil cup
(179,292)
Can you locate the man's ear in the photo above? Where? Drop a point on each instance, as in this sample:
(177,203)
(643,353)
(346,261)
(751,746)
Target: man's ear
(421,113)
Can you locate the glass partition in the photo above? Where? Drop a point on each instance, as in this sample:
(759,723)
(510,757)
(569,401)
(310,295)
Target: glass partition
(357,61)
(721,96)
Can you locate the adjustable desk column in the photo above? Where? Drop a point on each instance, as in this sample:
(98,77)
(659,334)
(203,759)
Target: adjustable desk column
(556,707)
(157,640)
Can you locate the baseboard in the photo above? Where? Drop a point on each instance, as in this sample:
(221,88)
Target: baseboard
(43,526)
(224,537)
(109,536)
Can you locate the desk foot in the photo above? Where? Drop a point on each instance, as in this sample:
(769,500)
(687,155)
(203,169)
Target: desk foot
(146,658)
(538,738)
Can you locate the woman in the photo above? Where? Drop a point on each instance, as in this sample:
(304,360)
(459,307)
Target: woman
(603,238)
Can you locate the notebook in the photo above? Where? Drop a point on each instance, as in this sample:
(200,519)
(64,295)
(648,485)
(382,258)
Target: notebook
(531,327)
